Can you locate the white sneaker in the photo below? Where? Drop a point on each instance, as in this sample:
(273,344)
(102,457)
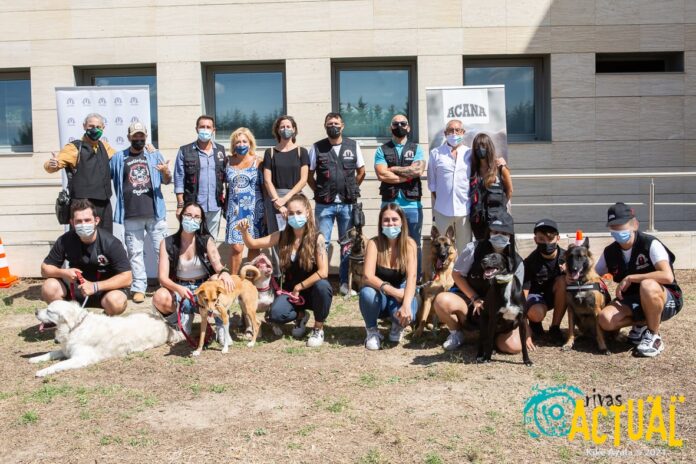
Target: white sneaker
(300,326)
(373,341)
(220,334)
(454,341)
(651,345)
(396,332)
(636,334)
(344,290)
(316,339)
(187,322)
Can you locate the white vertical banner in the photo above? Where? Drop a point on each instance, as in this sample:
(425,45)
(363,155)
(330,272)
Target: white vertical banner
(120,106)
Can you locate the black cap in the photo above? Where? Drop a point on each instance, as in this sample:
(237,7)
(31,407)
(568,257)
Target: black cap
(502,222)
(546,224)
(619,214)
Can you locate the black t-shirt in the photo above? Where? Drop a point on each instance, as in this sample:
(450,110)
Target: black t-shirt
(100,260)
(138,196)
(540,273)
(285,166)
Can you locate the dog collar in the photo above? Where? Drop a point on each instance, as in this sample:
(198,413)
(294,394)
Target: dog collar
(79,323)
(504,278)
(264,289)
(580,287)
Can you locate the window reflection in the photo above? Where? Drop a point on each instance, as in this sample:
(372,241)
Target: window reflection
(15,114)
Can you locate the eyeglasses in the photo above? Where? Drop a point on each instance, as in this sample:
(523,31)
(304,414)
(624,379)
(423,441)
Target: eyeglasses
(399,123)
(454,131)
(192,217)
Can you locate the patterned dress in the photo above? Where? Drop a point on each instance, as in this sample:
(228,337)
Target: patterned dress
(245,201)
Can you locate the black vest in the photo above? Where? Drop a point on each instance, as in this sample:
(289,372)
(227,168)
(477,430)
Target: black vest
(411,189)
(639,263)
(173,246)
(294,274)
(336,174)
(92,178)
(475,277)
(95,268)
(192,171)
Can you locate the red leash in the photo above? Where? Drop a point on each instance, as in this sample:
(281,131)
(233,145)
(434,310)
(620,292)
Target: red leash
(209,334)
(296,300)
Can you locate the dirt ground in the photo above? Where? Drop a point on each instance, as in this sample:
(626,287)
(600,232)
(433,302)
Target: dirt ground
(283,402)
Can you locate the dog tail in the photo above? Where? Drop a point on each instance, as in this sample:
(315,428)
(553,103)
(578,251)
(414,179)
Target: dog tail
(249,272)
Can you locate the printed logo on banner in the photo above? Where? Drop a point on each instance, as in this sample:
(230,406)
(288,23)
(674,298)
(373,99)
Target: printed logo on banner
(71,121)
(118,101)
(86,101)
(102,101)
(120,140)
(134,101)
(70,102)
(70,139)
(118,121)
(105,139)
(134,119)
(468,105)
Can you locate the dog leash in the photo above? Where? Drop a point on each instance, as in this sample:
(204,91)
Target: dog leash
(296,300)
(208,330)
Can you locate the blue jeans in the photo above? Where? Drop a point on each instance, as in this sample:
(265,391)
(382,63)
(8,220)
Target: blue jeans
(134,236)
(325,215)
(374,306)
(414,218)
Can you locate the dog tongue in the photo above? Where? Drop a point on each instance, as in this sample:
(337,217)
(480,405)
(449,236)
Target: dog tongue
(41,327)
(439,263)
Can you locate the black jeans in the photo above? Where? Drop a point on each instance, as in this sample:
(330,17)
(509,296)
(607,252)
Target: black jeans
(317,298)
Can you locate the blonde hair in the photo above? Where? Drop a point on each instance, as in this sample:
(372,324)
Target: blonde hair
(401,242)
(238,133)
(308,247)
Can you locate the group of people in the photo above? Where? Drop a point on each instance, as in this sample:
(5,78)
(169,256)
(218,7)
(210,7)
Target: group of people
(264,209)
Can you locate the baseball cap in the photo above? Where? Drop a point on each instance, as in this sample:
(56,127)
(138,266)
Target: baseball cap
(502,222)
(546,224)
(619,214)
(137,127)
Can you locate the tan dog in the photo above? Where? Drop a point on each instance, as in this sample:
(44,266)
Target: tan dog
(443,254)
(214,298)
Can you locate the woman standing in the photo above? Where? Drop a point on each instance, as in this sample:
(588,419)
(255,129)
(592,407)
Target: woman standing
(305,268)
(389,277)
(244,197)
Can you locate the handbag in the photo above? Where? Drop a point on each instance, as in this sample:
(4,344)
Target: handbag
(63,200)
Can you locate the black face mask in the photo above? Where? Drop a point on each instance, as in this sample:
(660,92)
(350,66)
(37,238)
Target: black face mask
(546,248)
(399,131)
(138,144)
(333,131)
(94,133)
(481,153)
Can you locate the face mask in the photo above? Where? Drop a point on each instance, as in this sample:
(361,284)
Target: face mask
(297,222)
(391,232)
(499,241)
(190,225)
(242,149)
(286,133)
(454,139)
(84,230)
(621,236)
(138,144)
(204,135)
(94,133)
(333,131)
(399,131)
(481,152)
(546,248)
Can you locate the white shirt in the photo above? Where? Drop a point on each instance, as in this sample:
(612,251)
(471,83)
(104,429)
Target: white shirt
(359,160)
(657,253)
(449,180)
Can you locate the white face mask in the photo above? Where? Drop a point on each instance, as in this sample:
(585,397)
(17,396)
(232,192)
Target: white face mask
(84,230)
(499,241)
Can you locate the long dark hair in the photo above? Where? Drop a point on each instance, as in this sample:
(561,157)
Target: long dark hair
(201,234)
(483,140)
(382,241)
(307,252)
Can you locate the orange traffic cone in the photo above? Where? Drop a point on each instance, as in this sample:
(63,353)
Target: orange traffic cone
(6,279)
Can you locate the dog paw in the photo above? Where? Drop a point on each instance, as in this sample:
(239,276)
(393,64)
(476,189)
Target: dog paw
(195,353)
(528,363)
(42,373)
(35,360)
(251,344)
(225,349)
(482,360)
(567,347)
(604,351)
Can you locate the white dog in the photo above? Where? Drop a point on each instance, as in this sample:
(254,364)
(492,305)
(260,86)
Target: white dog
(87,338)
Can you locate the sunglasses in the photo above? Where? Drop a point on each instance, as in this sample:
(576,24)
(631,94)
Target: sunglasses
(399,123)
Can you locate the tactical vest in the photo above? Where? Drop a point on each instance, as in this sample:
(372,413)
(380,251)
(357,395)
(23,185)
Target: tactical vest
(192,172)
(336,174)
(173,246)
(410,189)
(92,176)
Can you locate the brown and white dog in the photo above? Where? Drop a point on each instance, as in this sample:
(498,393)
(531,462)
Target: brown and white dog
(353,243)
(260,271)
(443,254)
(212,297)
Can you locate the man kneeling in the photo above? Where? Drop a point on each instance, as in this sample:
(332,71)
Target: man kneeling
(98,267)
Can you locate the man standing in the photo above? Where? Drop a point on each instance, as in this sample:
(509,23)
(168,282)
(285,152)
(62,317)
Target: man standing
(199,174)
(97,269)
(138,175)
(87,165)
(399,165)
(339,167)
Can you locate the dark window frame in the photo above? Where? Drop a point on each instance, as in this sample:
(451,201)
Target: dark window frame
(17,75)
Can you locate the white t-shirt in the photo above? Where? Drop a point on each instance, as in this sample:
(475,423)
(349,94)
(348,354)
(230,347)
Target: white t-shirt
(658,253)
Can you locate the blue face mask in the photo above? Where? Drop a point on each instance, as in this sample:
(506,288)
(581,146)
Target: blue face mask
(242,149)
(621,236)
(190,225)
(297,221)
(499,241)
(204,135)
(454,139)
(391,232)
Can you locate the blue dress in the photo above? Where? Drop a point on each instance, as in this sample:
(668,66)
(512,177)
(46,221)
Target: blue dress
(245,201)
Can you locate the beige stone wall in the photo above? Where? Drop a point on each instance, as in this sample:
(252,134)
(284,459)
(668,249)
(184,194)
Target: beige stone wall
(600,123)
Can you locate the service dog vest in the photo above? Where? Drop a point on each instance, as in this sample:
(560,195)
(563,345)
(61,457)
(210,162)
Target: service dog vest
(92,177)
(336,174)
(411,189)
(192,172)
(173,247)
(639,263)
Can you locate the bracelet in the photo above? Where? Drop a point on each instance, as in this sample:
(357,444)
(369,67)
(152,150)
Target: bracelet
(95,286)
(179,205)
(381,287)
(224,269)
(475,297)
(302,285)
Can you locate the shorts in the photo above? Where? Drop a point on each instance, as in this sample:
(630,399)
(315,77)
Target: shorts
(672,306)
(471,318)
(93,301)
(545,298)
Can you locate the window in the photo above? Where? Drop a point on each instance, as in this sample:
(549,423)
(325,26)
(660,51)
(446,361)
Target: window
(145,75)
(527,96)
(251,96)
(369,94)
(647,62)
(15,112)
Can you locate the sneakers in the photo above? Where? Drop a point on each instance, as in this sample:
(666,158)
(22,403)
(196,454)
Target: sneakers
(373,340)
(138,297)
(537,329)
(344,290)
(651,345)
(636,334)
(316,338)
(300,326)
(396,332)
(186,322)
(454,341)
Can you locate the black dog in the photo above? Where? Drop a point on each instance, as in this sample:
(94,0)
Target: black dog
(503,308)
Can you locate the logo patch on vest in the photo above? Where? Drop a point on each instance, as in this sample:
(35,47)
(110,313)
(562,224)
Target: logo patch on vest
(409,155)
(348,154)
(642,262)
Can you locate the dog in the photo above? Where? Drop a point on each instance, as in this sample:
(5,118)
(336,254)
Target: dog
(88,338)
(503,308)
(212,297)
(260,271)
(586,295)
(443,254)
(353,243)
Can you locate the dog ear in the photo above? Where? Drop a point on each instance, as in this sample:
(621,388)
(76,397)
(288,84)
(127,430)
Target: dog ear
(450,233)
(586,243)
(434,233)
(199,290)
